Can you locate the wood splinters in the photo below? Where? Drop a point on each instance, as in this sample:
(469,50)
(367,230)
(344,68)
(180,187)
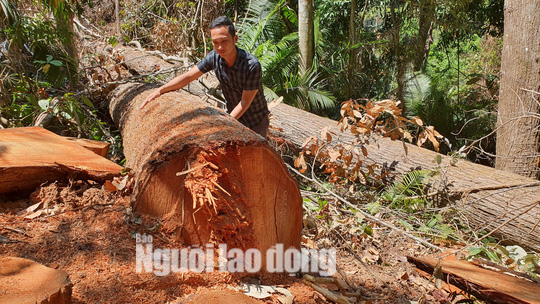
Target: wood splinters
(212,165)
(194,198)
(193,215)
(201,202)
(211,199)
(208,209)
(225,202)
(192,169)
(217,185)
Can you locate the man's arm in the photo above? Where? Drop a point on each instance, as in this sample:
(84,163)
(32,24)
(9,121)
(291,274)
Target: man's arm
(176,84)
(243,105)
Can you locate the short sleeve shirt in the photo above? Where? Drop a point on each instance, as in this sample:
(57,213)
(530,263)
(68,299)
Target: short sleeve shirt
(245,74)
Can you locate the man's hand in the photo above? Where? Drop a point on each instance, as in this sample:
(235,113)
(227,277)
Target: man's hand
(150,97)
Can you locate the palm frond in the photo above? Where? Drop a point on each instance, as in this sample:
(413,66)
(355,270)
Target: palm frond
(411,184)
(417,91)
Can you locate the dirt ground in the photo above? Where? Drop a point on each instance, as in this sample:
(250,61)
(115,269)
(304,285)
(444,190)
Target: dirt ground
(90,233)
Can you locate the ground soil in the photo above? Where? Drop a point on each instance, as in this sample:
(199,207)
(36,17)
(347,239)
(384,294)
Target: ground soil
(89,233)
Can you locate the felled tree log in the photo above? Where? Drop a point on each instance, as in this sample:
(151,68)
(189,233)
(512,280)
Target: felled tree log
(27,282)
(505,203)
(488,285)
(209,177)
(501,202)
(33,155)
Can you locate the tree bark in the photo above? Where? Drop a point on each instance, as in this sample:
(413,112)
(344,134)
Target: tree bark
(518,135)
(305,34)
(232,187)
(488,285)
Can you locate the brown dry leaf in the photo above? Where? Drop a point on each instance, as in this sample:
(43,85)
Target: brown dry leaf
(432,137)
(109,186)
(308,140)
(300,162)
(334,155)
(407,135)
(364,151)
(422,138)
(34,214)
(417,121)
(325,135)
(33,208)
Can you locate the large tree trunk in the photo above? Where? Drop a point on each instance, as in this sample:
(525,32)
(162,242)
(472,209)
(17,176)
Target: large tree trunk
(518,135)
(305,34)
(489,197)
(209,177)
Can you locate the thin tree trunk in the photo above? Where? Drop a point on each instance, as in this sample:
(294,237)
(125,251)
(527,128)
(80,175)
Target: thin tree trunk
(117,14)
(398,53)
(518,134)
(64,22)
(425,21)
(305,34)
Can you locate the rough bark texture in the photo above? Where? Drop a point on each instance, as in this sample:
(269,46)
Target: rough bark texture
(488,285)
(518,134)
(31,156)
(490,197)
(235,189)
(24,281)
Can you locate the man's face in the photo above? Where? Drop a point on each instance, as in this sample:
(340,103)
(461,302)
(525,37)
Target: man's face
(223,42)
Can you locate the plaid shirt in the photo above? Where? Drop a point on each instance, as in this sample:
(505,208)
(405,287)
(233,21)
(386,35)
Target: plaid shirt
(244,75)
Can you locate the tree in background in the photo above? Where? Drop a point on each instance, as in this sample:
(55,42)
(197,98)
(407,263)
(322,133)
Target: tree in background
(305,34)
(518,132)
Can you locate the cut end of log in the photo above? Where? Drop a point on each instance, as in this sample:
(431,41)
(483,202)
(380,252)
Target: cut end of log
(238,195)
(27,282)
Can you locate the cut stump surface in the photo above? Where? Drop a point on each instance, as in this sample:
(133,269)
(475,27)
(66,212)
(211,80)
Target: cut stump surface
(24,281)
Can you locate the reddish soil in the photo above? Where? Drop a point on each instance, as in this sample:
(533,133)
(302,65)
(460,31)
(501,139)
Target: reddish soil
(91,237)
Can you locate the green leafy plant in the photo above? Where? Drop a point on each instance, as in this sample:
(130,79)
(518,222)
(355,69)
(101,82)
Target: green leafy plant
(46,64)
(409,192)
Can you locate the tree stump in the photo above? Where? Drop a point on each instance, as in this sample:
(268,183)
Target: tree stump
(24,281)
(211,179)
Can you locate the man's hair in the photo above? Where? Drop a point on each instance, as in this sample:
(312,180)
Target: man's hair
(223,21)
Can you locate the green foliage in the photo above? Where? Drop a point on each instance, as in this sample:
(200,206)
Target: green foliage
(409,192)
(264,34)
(458,92)
(513,257)
(9,15)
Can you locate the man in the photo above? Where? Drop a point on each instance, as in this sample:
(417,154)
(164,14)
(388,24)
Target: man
(238,72)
